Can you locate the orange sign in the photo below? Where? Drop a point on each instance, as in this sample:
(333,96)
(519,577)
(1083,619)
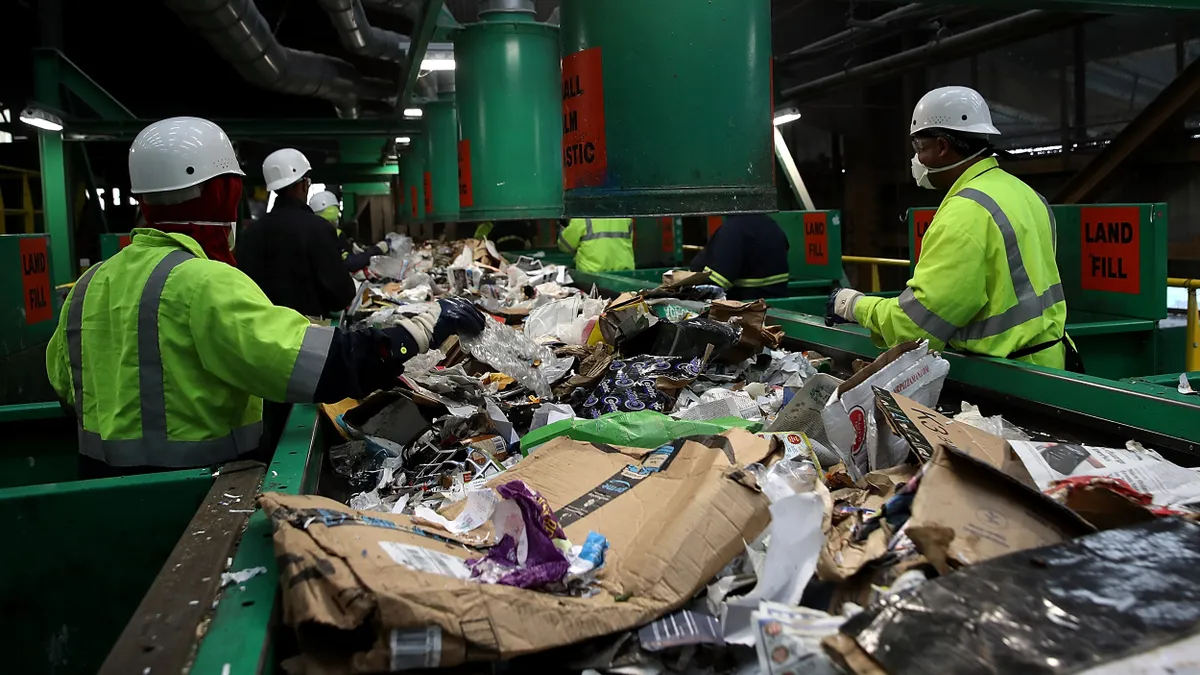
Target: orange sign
(413,189)
(816,239)
(668,234)
(1111,249)
(122,241)
(428,193)
(35,279)
(714,224)
(466,195)
(585,151)
(921,220)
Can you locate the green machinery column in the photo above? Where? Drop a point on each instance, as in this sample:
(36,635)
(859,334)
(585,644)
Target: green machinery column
(441,159)
(412,177)
(56,216)
(666,107)
(507,76)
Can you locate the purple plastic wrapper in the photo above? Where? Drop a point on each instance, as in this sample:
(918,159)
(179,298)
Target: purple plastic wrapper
(631,385)
(536,531)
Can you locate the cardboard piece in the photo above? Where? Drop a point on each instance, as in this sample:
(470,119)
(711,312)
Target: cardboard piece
(967,511)
(924,429)
(752,317)
(841,556)
(341,570)
(624,318)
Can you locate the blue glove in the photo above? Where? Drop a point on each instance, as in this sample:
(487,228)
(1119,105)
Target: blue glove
(839,308)
(456,315)
(452,315)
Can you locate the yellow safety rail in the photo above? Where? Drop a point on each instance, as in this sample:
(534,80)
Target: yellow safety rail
(1191,351)
(26,209)
(875,263)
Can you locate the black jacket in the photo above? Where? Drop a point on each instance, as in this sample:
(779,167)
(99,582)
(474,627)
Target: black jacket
(352,261)
(747,251)
(295,258)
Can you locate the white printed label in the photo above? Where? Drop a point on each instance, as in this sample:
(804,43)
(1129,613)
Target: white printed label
(425,560)
(418,648)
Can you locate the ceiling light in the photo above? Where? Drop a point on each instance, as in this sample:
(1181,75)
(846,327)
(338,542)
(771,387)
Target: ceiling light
(437,64)
(36,117)
(403,140)
(413,112)
(786,115)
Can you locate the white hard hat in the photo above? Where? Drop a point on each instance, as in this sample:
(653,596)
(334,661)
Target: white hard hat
(953,109)
(178,153)
(322,201)
(284,167)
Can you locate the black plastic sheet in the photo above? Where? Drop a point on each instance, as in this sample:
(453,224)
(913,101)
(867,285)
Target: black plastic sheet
(1057,609)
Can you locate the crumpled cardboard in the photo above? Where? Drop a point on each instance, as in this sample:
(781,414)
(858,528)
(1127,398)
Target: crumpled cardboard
(841,556)
(673,518)
(752,317)
(624,318)
(976,500)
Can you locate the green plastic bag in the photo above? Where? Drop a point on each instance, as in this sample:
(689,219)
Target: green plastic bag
(641,429)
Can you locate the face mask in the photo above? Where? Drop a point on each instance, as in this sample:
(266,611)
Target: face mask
(920,172)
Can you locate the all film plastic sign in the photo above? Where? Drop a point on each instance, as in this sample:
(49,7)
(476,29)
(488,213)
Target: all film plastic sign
(921,220)
(585,150)
(1111,249)
(466,195)
(413,195)
(816,239)
(35,279)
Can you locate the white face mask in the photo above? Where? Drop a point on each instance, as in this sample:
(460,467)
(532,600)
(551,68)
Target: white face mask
(232,237)
(920,172)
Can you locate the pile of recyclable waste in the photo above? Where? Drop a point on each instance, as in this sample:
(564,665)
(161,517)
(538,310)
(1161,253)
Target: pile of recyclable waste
(655,483)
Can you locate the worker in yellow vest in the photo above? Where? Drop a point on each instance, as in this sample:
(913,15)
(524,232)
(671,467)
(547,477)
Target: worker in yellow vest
(599,244)
(987,281)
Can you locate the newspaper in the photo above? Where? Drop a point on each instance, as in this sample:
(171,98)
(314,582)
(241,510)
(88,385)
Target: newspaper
(737,405)
(1167,484)
(803,412)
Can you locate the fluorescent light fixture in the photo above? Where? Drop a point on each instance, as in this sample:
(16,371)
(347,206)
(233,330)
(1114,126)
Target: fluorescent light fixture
(116,196)
(413,112)
(437,64)
(100,197)
(41,119)
(403,140)
(786,115)
(132,201)
(1035,150)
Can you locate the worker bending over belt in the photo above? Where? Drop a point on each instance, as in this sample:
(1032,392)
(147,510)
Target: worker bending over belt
(291,253)
(166,350)
(325,204)
(987,281)
(748,257)
(599,244)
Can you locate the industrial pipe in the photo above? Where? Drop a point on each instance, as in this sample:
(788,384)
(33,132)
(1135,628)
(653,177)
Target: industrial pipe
(821,47)
(360,37)
(240,34)
(1020,26)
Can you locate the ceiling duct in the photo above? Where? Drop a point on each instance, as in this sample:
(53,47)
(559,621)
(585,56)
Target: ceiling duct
(240,34)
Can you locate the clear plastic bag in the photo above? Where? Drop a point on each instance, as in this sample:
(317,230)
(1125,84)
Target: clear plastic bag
(512,353)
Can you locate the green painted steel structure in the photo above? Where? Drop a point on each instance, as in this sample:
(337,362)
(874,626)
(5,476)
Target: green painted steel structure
(441,159)
(679,126)
(88,551)
(412,181)
(507,89)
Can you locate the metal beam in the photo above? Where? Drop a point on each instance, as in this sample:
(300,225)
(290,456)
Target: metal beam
(1086,185)
(989,36)
(251,129)
(422,36)
(78,83)
(55,217)
(1109,6)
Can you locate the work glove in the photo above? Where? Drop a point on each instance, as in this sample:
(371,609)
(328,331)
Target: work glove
(452,315)
(839,308)
(383,247)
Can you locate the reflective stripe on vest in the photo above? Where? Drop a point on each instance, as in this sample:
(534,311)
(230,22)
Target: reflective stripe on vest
(765,281)
(1029,305)
(590,234)
(153,448)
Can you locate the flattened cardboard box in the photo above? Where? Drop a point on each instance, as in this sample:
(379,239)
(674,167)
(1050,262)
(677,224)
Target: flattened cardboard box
(673,519)
(975,502)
